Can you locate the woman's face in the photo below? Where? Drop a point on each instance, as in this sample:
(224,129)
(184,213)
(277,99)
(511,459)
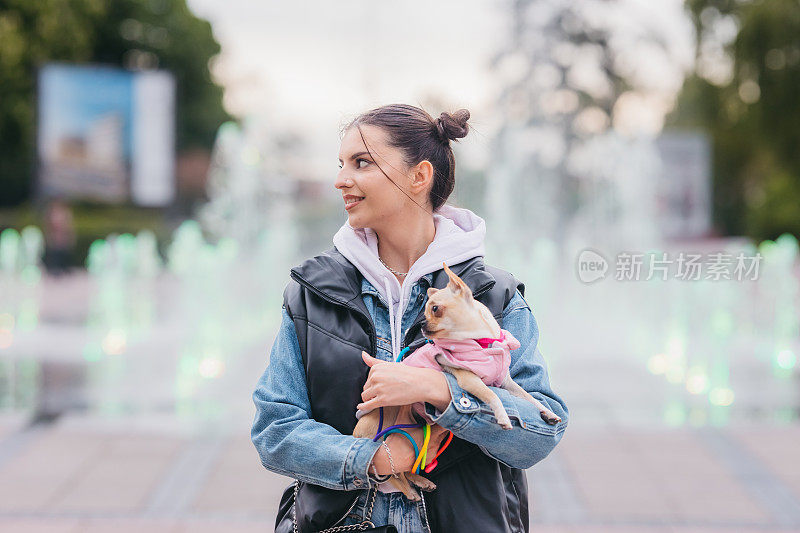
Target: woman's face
(360,177)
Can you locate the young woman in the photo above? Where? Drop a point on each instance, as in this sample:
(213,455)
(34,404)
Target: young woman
(368,292)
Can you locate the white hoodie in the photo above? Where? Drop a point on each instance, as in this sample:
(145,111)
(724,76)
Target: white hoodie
(459,236)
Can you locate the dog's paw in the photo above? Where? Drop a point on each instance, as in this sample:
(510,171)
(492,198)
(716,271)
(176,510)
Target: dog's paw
(413,495)
(504,422)
(421,482)
(550,418)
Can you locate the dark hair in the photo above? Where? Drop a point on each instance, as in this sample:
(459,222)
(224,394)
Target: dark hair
(420,137)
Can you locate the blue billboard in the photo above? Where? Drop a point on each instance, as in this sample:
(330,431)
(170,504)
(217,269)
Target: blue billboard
(106,134)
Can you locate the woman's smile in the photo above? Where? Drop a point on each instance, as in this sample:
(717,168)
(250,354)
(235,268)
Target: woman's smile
(351,201)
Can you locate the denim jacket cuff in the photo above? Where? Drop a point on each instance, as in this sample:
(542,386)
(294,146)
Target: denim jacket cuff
(459,411)
(356,466)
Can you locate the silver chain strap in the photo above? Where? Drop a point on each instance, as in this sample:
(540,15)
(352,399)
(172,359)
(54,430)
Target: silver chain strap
(355,527)
(391,462)
(425,512)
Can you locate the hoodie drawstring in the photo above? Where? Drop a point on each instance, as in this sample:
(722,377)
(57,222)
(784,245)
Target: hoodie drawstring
(394,334)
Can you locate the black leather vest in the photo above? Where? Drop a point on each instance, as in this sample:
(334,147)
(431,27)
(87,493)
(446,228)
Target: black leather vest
(475,493)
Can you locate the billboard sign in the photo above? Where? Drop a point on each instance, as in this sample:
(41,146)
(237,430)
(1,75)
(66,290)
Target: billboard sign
(106,134)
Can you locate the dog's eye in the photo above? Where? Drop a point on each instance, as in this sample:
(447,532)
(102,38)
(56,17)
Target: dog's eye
(435,308)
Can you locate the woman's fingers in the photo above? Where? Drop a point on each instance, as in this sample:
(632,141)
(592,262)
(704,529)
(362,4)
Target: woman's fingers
(369,360)
(368,393)
(369,405)
(373,378)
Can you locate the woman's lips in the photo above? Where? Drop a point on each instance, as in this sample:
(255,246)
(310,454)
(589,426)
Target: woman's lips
(349,204)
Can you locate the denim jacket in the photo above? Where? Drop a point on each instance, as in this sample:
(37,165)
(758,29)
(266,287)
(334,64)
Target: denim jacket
(291,443)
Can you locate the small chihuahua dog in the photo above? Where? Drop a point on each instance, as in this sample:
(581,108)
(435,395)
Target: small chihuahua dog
(468,343)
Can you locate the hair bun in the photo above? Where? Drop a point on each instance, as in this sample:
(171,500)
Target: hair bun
(452,126)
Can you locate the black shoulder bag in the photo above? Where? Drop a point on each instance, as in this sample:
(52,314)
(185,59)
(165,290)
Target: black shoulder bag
(366,526)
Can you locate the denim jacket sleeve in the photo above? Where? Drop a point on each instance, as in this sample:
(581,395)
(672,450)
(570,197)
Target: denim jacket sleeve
(531,439)
(287,438)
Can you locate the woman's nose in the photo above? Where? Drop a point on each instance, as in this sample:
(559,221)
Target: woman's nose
(342,181)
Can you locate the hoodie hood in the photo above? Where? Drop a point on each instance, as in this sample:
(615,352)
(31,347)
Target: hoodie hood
(459,236)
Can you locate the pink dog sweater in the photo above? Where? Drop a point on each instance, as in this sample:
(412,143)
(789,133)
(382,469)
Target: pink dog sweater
(489,359)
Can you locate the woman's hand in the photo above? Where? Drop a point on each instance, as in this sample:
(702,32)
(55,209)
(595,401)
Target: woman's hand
(403,457)
(398,384)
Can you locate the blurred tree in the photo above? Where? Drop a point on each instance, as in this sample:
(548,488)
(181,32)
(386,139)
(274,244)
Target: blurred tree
(745,94)
(30,33)
(569,72)
(135,34)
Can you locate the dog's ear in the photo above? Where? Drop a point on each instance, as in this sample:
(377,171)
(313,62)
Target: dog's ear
(456,284)
(431,291)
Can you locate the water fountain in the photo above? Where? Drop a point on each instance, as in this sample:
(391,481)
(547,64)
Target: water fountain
(563,177)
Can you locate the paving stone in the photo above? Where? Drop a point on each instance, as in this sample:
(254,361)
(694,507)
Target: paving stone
(121,475)
(656,476)
(778,449)
(42,473)
(91,477)
(123,525)
(39,525)
(239,483)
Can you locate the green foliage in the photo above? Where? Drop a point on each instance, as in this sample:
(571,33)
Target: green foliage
(134,34)
(753,117)
(92,222)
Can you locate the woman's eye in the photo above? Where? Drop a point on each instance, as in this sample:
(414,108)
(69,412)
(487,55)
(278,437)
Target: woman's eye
(357,163)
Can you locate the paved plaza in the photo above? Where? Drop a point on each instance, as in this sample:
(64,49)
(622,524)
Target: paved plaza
(137,444)
(82,475)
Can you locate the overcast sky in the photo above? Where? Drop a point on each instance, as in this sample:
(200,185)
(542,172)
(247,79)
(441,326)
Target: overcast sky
(316,63)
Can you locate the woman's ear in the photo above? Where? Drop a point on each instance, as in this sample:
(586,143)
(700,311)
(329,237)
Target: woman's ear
(422,176)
